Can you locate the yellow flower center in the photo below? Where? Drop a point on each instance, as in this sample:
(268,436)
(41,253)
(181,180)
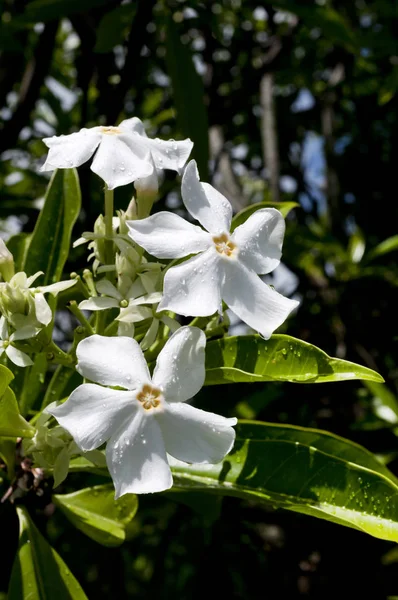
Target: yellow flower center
(224,245)
(150,397)
(111,130)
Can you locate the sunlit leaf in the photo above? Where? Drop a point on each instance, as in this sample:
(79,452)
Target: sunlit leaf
(250,358)
(303,470)
(50,242)
(38,572)
(388,245)
(12,424)
(95,511)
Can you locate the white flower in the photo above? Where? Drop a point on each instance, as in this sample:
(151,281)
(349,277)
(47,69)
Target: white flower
(122,154)
(226,265)
(149,416)
(16,356)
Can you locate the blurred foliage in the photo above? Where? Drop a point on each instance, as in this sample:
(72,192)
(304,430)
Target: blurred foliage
(183,67)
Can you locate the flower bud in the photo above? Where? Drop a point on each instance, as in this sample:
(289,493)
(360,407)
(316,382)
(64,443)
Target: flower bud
(7,269)
(147,189)
(98,245)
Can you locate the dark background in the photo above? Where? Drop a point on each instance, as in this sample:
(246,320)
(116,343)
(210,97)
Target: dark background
(294,100)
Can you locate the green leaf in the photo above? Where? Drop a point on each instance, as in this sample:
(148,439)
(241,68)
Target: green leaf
(6,377)
(12,424)
(113,27)
(303,470)
(18,245)
(50,241)
(95,512)
(385,404)
(388,245)
(38,572)
(243,215)
(188,93)
(250,358)
(7,454)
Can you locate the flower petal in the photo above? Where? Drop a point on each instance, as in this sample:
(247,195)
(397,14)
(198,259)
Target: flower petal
(166,154)
(24,333)
(98,303)
(196,436)
(119,161)
(112,361)
(180,366)
(254,301)
(92,414)
(18,358)
(104,286)
(169,154)
(3,329)
(204,203)
(67,151)
(260,240)
(137,459)
(167,235)
(194,287)
(55,288)
(133,125)
(42,309)
(150,336)
(134,314)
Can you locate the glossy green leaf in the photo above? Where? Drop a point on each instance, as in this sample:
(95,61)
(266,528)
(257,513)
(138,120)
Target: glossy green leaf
(50,242)
(96,512)
(303,470)
(250,358)
(39,573)
(243,215)
(188,94)
(12,424)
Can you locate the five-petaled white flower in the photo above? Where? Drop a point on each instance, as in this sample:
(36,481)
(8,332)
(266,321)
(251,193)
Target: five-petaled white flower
(149,416)
(226,266)
(123,154)
(16,356)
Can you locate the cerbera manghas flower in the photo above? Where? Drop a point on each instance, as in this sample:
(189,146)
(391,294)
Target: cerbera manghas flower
(149,417)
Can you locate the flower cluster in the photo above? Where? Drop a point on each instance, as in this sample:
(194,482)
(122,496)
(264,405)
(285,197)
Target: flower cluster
(135,301)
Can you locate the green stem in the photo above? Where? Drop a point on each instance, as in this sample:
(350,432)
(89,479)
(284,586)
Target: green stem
(74,309)
(57,356)
(108,226)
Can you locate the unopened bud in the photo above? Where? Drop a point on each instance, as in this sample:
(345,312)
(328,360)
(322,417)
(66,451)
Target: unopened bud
(7,269)
(147,192)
